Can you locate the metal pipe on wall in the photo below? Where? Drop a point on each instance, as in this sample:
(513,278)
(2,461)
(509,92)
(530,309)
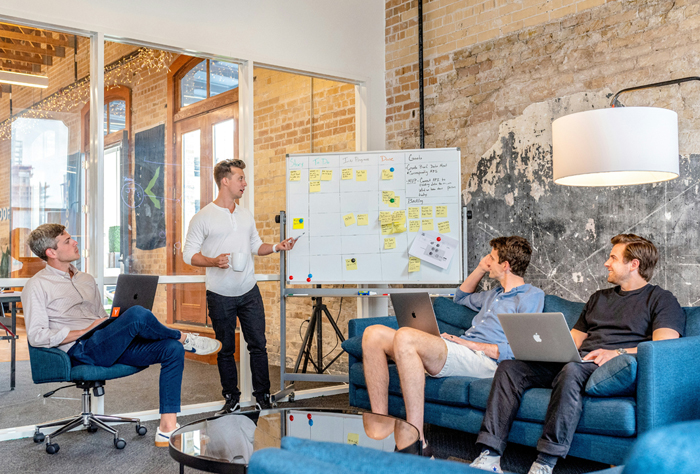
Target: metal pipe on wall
(420,74)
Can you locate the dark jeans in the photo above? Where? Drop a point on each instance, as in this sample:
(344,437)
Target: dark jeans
(249,309)
(138,339)
(512,378)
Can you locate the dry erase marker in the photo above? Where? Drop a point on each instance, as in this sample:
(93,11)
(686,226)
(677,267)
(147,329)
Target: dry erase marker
(297,238)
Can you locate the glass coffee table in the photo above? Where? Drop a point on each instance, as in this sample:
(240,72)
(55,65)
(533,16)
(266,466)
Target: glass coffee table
(225,443)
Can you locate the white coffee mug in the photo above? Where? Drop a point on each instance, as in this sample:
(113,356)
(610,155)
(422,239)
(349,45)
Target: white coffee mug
(237,261)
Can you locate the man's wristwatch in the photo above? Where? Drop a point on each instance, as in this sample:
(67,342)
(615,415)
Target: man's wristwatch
(621,351)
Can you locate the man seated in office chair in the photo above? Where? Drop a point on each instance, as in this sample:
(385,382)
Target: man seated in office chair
(475,354)
(61,304)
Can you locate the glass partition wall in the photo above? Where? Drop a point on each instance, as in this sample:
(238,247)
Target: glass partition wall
(166,119)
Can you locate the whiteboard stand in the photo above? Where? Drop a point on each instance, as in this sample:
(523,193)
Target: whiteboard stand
(287,390)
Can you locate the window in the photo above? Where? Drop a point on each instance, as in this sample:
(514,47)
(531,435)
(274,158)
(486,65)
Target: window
(206,79)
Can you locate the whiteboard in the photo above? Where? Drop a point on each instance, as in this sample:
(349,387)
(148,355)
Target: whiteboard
(340,201)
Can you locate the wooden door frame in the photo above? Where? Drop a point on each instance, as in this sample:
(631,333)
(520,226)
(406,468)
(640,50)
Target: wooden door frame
(181,66)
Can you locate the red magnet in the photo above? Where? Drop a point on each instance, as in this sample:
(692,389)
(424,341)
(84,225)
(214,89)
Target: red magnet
(291,277)
(291,417)
(439,239)
(308,416)
(308,279)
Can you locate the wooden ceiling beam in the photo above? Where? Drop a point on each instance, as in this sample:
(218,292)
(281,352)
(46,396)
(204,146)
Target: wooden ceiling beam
(47,36)
(57,51)
(7,65)
(44,60)
(36,38)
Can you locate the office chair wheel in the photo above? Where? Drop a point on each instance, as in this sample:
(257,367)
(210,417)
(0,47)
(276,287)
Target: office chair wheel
(52,448)
(119,443)
(92,428)
(39,437)
(141,430)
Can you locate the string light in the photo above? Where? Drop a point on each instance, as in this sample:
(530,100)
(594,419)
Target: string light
(129,70)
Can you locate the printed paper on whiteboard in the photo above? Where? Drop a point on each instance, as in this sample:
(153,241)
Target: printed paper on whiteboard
(428,248)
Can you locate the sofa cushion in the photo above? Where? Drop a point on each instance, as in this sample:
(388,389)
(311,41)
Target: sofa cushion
(572,310)
(607,416)
(692,321)
(617,377)
(353,346)
(452,318)
(447,390)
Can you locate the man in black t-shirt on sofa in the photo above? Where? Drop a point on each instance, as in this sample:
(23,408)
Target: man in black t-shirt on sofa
(613,322)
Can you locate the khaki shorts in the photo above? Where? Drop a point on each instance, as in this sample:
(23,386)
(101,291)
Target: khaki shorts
(464,362)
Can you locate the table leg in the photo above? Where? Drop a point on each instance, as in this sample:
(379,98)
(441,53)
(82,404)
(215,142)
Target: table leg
(13,346)
(182,468)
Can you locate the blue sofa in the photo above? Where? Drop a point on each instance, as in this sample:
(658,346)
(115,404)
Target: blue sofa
(668,384)
(672,449)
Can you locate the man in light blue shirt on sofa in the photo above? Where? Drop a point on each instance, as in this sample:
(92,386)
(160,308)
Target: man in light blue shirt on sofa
(475,354)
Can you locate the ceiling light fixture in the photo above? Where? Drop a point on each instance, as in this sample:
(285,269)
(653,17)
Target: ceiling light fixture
(19,79)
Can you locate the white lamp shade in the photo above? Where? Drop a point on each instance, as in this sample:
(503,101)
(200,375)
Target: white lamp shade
(615,147)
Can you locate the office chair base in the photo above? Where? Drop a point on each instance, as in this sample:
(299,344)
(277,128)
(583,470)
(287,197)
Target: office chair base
(90,421)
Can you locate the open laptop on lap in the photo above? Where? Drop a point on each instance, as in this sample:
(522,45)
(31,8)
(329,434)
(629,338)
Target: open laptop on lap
(415,310)
(132,290)
(541,337)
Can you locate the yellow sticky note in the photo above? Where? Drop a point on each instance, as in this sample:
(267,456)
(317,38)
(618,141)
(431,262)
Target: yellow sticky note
(394,202)
(326,175)
(399,228)
(349,219)
(314,175)
(427,224)
(426,211)
(385,217)
(353,438)
(347,173)
(314,186)
(295,175)
(413,212)
(360,175)
(350,264)
(398,217)
(387,174)
(298,223)
(362,219)
(444,227)
(386,196)
(414,226)
(413,264)
(387,229)
(389,243)
(440,211)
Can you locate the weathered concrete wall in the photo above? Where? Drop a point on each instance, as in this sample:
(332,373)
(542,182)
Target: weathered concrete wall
(496,100)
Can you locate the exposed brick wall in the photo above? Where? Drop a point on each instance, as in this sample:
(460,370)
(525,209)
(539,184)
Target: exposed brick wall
(283,126)
(470,90)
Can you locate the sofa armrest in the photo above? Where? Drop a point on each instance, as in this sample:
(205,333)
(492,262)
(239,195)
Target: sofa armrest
(357,326)
(667,384)
(49,364)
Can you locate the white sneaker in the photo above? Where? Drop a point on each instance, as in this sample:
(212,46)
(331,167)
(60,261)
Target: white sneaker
(488,462)
(201,345)
(163,439)
(538,468)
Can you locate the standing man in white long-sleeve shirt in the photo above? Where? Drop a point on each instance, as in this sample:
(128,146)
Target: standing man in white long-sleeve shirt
(221,229)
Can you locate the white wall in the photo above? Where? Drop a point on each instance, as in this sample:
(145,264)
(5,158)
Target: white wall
(343,38)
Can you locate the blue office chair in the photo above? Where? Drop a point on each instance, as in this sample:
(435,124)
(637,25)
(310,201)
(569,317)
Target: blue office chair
(53,365)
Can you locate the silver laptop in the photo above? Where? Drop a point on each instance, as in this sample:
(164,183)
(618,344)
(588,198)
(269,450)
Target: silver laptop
(415,310)
(542,337)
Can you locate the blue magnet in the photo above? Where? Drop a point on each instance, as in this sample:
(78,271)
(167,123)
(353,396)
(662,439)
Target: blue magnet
(391,169)
(311,422)
(301,220)
(310,275)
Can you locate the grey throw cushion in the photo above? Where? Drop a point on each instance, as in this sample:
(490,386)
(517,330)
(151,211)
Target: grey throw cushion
(617,377)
